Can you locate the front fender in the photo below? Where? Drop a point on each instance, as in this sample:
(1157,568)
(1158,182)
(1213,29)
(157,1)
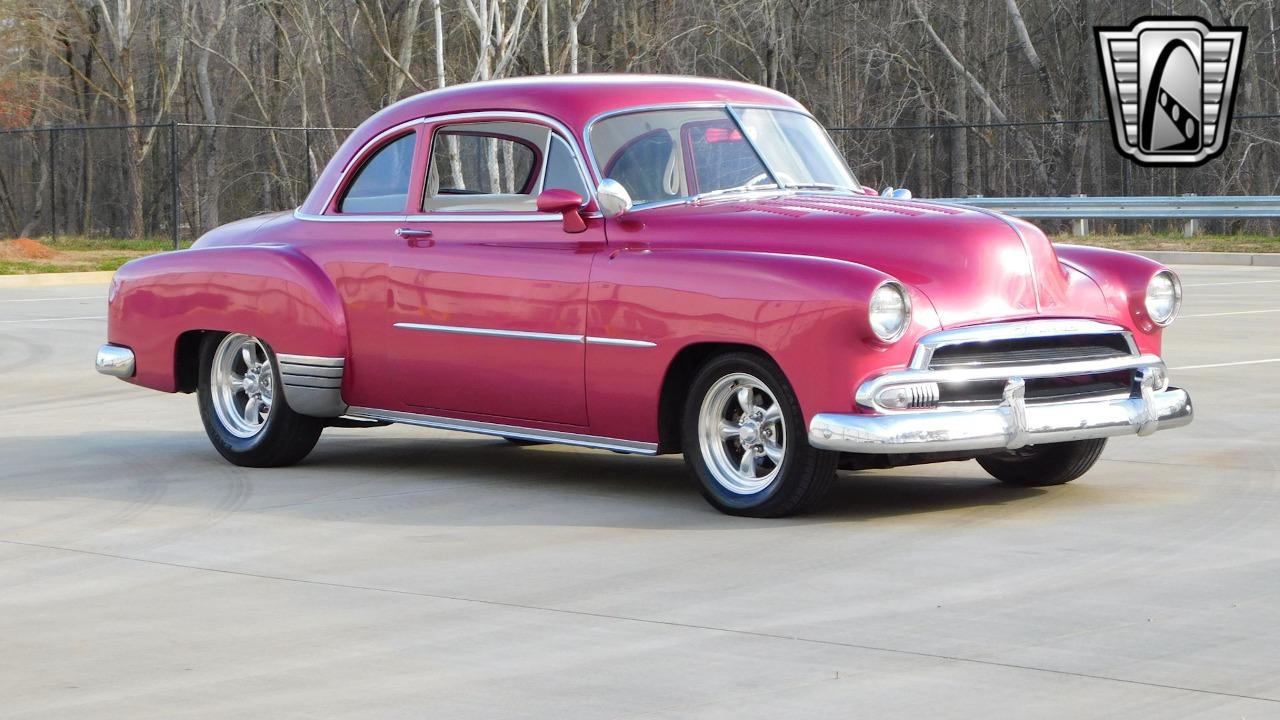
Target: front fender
(1123,279)
(808,313)
(271,292)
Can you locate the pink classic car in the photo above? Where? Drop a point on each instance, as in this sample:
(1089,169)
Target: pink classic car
(649,265)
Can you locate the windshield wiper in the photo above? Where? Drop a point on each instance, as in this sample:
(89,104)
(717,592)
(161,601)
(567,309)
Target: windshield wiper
(738,189)
(817,186)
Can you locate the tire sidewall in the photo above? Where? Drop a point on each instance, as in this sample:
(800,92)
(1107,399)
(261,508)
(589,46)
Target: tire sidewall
(715,370)
(226,441)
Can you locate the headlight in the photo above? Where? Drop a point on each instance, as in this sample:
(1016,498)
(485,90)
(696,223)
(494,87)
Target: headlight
(889,310)
(1164,297)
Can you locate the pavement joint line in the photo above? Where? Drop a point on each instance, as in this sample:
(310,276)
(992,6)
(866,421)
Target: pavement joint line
(79,297)
(1233,312)
(651,621)
(1225,364)
(31,320)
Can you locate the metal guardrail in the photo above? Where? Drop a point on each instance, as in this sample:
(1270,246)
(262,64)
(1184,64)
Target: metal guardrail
(1080,209)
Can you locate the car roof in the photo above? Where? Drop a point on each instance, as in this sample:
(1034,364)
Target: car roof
(573,100)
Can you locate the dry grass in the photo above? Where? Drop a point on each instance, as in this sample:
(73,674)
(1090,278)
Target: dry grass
(72,254)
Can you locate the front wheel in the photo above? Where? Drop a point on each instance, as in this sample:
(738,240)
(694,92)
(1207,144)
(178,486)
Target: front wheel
(744,439)
(242,404)
(1044,465)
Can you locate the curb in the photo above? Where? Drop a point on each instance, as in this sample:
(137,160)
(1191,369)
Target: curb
(50,279)
(1185,257)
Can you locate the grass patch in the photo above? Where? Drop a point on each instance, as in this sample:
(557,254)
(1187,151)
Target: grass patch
(80,243)
(25,256)
(1175,241)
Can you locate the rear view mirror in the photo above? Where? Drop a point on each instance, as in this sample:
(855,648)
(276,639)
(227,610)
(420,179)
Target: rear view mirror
(566,202)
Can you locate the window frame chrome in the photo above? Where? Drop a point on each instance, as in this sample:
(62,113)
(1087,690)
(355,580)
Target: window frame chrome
(470,116)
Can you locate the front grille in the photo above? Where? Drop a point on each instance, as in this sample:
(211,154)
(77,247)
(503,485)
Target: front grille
(1017,352)
(1005,357)
(1038,390)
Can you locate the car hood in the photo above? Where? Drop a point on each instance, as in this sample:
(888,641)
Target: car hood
(973,265)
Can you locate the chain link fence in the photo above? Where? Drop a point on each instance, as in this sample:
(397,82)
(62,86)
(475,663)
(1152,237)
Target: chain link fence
(177,180)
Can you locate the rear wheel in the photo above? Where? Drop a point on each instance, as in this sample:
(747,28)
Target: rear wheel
(243,407)
(744,440)
(1042,465)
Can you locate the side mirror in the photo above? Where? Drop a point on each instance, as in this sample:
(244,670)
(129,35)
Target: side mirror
(612,198)
(899,194)
(567,203)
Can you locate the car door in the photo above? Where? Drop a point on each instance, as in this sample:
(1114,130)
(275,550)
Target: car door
(487,296)
(350,241)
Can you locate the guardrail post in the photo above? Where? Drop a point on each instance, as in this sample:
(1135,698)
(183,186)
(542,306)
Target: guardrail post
(1192,225)
(53,185)
(173,181)
(306,141)
(1080,226)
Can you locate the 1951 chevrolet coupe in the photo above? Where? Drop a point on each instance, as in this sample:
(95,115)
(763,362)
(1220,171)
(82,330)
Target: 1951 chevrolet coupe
(649,265)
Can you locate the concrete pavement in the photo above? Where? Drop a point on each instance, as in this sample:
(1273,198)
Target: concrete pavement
(404,572)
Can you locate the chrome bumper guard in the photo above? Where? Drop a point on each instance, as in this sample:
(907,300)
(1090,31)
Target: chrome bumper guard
(115,361)
(1012,424)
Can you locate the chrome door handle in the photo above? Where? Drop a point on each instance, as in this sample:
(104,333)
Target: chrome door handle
(415,237)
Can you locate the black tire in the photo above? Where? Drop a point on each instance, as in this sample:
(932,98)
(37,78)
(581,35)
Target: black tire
(804,474)
(285,438)
(522,442)
(1044,465)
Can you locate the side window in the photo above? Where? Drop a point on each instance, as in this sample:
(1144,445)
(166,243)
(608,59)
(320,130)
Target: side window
(382,183)
(473,164)
(486,166)
(562,170)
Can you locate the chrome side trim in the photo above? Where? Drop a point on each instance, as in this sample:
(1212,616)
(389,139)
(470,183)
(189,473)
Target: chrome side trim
(526,335)
(459,330)
(512,431)
(312,360)
(1012,331)
(870,389)
(313,384)
(484,217)
(1011,425)
(115,361)
(620,342)
(299,215)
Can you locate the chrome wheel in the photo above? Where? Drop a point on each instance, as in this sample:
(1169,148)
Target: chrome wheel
(242,382)
(742,433)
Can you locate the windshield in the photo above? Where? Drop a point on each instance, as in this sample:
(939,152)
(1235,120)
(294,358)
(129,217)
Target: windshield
(677,153)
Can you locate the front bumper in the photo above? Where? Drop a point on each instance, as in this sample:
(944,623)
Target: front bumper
(1011,425)
(115,361)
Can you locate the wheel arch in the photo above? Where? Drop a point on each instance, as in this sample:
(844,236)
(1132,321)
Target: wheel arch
(677,379)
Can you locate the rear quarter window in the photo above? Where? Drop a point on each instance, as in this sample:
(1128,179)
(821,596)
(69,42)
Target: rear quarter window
(382,183)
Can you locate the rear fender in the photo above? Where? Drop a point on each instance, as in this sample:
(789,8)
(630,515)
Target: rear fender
(271,292)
